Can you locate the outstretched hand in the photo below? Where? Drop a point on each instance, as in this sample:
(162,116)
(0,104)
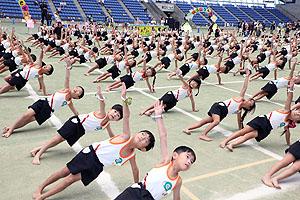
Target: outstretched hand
(68,63)
(158,107)
(99,90)
(124,90)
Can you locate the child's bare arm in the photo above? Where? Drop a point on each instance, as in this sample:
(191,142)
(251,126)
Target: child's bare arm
(176,191)
(135,169)
(126,113)
(288,137)
(246,81)
(102,103)
(67,78)
(288,102)
(165,155)
(293,69)
(73,109)
(43,86)
(110,132)
(193,104)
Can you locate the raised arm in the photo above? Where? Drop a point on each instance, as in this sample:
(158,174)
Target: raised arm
(67,78)
(293,69)
(126,113)
(246,81)
(165,155)
(102,103)
(288,102)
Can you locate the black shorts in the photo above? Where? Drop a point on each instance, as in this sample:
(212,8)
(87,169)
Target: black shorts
(42,110)
(101,62)
(166,62)
(149,57)
(261,57)
(218,108)
(52,44)
(82,59)
(46,42)
(265,71)
(10,64)
(233,55)
(87,163)
(262,125)
(270,88)
(294,149)
(203,72)
(60,50)
(229,66)
(128,80)
(135,53)
(195,56)
(108,45)
(135,193)
(35,36)
(283,52)
(211,49)
(185,69)
(17,80)
(115,72)
(73,53)
(169,99)
(72,130)
(7,56)
(298,100)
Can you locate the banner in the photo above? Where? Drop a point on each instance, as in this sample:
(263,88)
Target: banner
(191,14)
(24,9)
(145,30)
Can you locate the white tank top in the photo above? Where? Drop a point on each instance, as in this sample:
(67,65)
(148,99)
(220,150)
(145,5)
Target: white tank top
(80,51)
(109,153)
(158,182)
(88,55)
(109,59)
(58,99)
(282,82)
(122,65)
(236,60)
(211,68)
(270,66)
(57,42)
(267,53)
(138,76)
(250,67)
(181,93)
(66,47)
(233,106)
(171,57)
(15,53)
(20,60)
(226,47)
(30,72)
(278,119)
(193,65)
(91,122)
(153,54)
(288,57)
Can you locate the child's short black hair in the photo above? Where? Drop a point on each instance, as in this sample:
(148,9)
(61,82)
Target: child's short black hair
(95,49)
(133,64)
(119,108)
(182,149)
(33,57)
(152,140)
(198,81)
(82,94)
(51,70)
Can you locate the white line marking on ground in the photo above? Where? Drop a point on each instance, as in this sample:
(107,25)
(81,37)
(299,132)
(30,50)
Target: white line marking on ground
(104,179)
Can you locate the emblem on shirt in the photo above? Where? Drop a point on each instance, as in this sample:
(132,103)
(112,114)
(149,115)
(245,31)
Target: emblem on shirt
(64,103)
(168,186)
(282,124)
(98,128)
(36,76)
(118,160)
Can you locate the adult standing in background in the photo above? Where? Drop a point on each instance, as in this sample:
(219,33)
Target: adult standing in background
(44,9)
(272,27)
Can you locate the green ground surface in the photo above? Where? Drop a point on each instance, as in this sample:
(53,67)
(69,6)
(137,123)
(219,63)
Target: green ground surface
(19,178)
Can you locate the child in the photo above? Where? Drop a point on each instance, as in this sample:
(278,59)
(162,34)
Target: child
(271,88)
(76,126)
(42,109)
(86,56)
(292,156)
(163,178)
(261,126)
(18,79)
(171,98)
(89,163)
(219,110)
(132,78)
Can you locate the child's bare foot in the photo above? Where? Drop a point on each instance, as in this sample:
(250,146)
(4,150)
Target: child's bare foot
(5,129)
(37,193)
(40,90)
(34,151)
(267,181)
(96,81)
(107,89)
(148,113)
(223,144)
(275,183)
(142,113)
(7,134)
(187,131)
(234,73)
(86,73)
(169,77)
(36,160)
(205,138)
(229,147)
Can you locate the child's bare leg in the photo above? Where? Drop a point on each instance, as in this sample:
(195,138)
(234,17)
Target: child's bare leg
(157,64)
(5,88)
(53,178)
(47,49)
(234,135)
(96,66)
(159,69)
(114,85)
(38,152)
(215,122)
(74,60)
(198,125)
(22,121)
(139,62)
(148,108)
(65,56)
(4,69)
(287,159)
(260,94)
(102,77)
(170,75)
(286,173)
(243,139)
(53,54)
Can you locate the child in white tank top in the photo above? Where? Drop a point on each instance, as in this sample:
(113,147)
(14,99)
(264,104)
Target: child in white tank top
(164,177)
(89,163)
(261,126)
(76,126)
(220,110)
